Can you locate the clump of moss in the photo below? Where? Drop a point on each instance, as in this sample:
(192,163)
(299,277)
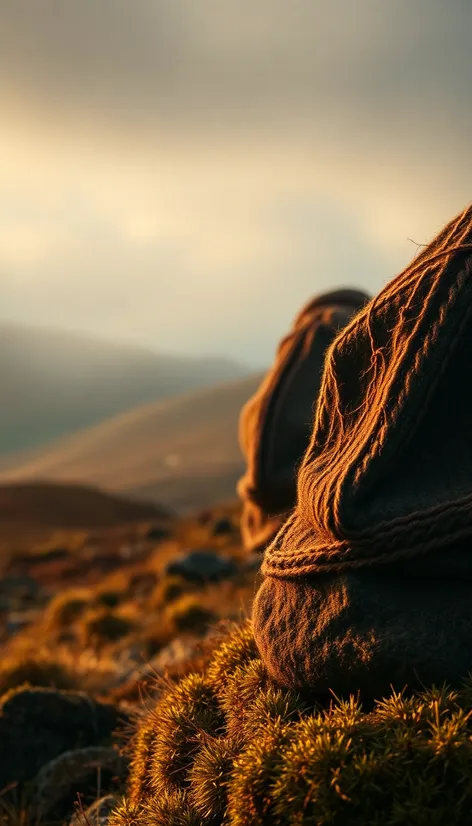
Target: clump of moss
(228,746)
(35,670)
(171,735)
(236,649)
(126,814)
(66,608)
(140,782)
(210,777)
(102,626)
(169,589)
(170,809)
(250,799)
(188,614)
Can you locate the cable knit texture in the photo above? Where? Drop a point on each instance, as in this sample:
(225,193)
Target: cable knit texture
(276,423)
(356,590)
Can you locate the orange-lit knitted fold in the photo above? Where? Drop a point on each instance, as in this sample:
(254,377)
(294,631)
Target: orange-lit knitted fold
(388,472)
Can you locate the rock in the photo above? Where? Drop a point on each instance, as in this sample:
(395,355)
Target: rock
(80,772)
(39,724)
(222,527)
(5,604)
(19,588)
(201,566)
(157,534)
(97,814)
(109,599)
(142,583)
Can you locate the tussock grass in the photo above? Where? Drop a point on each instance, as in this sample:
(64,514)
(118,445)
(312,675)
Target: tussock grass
(188,614)
(38,670)
(229,748)
(67,607)
(169,589)
(102,626)
(170,809)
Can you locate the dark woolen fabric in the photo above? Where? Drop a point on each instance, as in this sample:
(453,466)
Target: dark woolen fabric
(276,423)
(365,630)
(367,580)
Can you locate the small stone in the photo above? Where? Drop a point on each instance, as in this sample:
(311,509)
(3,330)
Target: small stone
(222,527)
(201,566)
(19,587)
(157,534)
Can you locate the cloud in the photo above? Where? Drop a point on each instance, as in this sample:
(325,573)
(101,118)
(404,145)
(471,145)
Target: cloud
(185,175)
(155,58)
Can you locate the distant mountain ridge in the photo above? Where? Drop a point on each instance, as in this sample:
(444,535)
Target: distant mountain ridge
(55,382)
(182,453)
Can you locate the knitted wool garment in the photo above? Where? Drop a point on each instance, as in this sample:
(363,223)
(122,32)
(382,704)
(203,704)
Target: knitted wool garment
(275,424)
(368,582)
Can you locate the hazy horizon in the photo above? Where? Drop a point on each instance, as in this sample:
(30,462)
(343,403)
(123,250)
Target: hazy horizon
(101,337)
(182,178)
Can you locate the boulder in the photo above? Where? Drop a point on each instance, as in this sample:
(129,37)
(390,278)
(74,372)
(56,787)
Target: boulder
(201,567)
(77,773)
(39,724)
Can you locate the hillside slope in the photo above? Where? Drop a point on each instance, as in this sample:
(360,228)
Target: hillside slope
(55,382)
(69,506)
(182,453)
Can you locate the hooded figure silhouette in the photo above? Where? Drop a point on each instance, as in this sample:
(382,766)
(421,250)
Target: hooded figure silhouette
(367,584)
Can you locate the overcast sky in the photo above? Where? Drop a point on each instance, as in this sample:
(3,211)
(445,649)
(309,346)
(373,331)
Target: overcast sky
(185,174)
